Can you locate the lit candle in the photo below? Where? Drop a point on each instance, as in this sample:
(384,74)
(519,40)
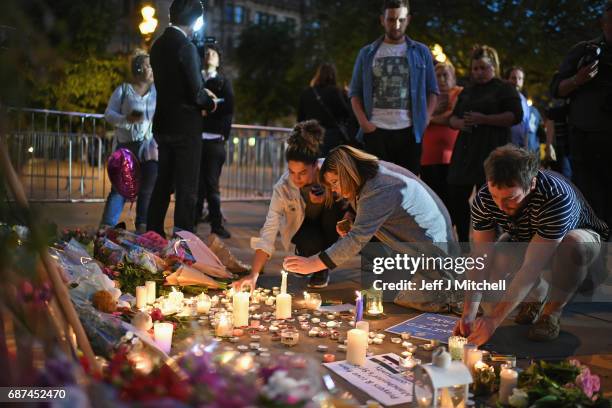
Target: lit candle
(357,347)
(424,402)
(176,297)
(141,297)
(225,326)
(241,309)
(163,336)
(283,288)
(473,357)
(283,306)
(270,301)
(508,382)
(466,350)
(203,304)
(358,307)
(455,346)
(150,285)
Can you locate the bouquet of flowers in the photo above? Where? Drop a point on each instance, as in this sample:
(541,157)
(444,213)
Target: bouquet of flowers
(566,384)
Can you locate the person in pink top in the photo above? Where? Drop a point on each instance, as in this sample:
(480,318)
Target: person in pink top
(439,138)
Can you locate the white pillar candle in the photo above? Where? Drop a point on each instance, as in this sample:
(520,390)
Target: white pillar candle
(473,357)
(363,325)
(176,297)
(163,336)
(357,345)
(508,382)
(283,288)
(150,285)
(141,297)
(283,306)
(241,309)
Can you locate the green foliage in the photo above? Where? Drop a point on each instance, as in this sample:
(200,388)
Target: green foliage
(83,85)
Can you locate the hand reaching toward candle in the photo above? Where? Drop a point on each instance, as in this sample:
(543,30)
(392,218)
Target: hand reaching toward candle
(463,327)
(482,330)
(304,266)
(249,281)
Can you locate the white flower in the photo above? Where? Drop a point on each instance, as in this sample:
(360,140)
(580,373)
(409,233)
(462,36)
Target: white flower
(518,399)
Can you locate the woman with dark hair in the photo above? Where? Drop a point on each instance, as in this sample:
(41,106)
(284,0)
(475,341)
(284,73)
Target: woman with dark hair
(130,109)
(216,129)
(392,206)
(325,102)
(297,209)
(484,113)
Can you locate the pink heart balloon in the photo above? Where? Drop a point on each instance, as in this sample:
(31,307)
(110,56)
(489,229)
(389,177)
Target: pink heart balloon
(124,173)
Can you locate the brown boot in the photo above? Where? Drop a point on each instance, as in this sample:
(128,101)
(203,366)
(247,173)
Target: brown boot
(226,257)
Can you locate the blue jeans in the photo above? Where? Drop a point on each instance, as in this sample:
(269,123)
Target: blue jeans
(115,201)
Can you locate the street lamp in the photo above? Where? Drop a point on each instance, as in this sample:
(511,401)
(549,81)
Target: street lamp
(149,22)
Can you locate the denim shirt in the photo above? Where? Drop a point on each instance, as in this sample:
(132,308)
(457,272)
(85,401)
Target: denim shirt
(422,82)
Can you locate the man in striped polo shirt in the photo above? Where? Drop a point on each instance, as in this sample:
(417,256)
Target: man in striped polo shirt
(559,230)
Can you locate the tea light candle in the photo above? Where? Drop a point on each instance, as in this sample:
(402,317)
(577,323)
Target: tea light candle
(424,402)
(377,340)
(141,297)
(162,333)
(241,309)
(380,336)
(150,285)
(273,329)
(455,346)
(313,333)
(396,340)
(283,306)
(270,301)
(315,320)
(357,347)
(331,324)
(409,362)
(508,382)
(290,337)
(176,297)
(329,358)
(238,332)
(363,325)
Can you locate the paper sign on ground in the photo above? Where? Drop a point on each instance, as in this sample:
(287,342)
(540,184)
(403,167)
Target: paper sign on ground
(427,326)
(380,378)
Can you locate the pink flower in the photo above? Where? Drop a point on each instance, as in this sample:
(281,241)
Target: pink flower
(589,383)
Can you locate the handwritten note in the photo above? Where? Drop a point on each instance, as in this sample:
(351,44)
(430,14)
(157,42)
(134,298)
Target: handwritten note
(380,378)
(427,326)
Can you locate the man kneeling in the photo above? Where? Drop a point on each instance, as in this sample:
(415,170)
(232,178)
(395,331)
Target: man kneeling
(559,230)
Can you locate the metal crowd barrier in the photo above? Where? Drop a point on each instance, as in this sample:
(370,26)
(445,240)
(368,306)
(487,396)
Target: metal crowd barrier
(61,156)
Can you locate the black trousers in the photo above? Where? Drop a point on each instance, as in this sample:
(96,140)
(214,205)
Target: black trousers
(179,168)
(213,157)
(317,235)
(592,169)
(395,146)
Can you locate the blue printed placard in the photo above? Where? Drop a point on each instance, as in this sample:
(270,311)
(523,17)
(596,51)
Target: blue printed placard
(427,326)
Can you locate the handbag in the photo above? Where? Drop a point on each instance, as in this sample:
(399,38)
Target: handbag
(342,126)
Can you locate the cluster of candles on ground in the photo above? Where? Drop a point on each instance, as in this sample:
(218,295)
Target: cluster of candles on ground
(233,314)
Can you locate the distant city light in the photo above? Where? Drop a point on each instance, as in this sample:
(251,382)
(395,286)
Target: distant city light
(251,141)
(31,149)
(236,140)
(438,53)
(149,22)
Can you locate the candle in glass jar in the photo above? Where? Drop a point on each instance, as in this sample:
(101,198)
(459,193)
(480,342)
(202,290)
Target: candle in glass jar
(241,309)
(508,382)
(424,402)
(163,335)
(357,347)
(283,306)
(455,346)
(141,297)
(150,285)
(290,337)
(225,326)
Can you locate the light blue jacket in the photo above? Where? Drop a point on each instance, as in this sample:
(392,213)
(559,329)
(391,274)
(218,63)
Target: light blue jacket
(422,82)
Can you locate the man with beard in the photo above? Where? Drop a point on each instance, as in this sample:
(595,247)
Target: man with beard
(394,91)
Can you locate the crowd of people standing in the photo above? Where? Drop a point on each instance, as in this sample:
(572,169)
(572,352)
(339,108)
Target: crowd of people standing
(426,155)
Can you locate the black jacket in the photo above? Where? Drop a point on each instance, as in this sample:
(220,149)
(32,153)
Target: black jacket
(220,121)
(180,88)
(336,107)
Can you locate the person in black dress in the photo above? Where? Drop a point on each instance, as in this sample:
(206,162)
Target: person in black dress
(484,113)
